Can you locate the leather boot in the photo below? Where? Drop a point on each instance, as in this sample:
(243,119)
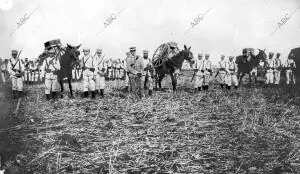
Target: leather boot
(14,94)
(101,92)
(229,87)
(150,92)
(222,85)
(236,87)
(199,89)
(85,94)
(53,95)
(20,94)
(126,89)
(97,91)
(47,96)
(93,94)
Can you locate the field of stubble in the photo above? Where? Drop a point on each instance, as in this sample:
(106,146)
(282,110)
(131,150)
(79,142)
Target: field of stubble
(249,130)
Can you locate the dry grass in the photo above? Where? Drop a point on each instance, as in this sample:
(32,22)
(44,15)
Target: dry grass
(245,131)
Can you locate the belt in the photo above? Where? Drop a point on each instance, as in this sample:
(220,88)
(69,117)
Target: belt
(231,69)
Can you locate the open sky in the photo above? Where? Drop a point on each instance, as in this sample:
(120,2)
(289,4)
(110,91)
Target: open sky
(228,27)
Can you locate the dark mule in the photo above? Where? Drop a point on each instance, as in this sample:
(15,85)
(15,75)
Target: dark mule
(246,67)
(68,58)
(68,61)
(171,65)
(295,54)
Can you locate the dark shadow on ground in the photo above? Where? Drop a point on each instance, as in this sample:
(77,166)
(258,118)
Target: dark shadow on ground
(10,140)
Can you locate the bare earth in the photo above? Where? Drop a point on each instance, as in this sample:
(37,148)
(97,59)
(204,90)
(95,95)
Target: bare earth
(242,131)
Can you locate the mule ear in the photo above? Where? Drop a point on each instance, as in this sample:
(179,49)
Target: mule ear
(78,46)
(189,48)
(69,46)
(185,47)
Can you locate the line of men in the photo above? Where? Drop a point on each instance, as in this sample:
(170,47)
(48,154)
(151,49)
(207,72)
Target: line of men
(274,67)
(138,76)
(94,70)
(228,71)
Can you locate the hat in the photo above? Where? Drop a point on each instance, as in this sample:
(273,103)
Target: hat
(145,52)
(99,50)
(14,52)
(52,43)
(278,54)
(245,50)
(200,55)
(271,53)
(132,48)
(222,55)
(206,55)
(231,57)
(86,50)
(251,49)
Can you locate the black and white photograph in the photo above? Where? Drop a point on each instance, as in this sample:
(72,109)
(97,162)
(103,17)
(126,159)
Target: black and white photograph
(150,87)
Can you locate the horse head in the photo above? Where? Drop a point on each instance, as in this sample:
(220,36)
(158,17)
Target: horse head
(73,52)
(188,55)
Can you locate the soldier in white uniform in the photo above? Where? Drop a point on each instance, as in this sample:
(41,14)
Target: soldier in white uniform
(101,71)
(146,74)
(50,68)
(207,71)
(16,70)
(270,69)
(290,66)
(118,69)
(231,78)
(277,69)
(89,71)
(3,69)
(222,71)
(110,69)
(27,72)
(199,72)
(126,72)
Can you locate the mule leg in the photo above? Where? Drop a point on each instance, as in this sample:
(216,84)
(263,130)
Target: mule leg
(70,87)
(61,87)
(250,78)
(161,76)
(241,77)
(174,81)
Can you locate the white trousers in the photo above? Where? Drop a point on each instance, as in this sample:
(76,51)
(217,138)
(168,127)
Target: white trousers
(206,78)
(199,79)
(3,77)
(270,77)
(100,82)
(231,78)
(88,83)
(290,77)
(51,83)
(17,83)
(276,77)
(222,77)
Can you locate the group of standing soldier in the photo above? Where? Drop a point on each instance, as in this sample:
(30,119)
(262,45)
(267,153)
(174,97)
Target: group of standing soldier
(137,72)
